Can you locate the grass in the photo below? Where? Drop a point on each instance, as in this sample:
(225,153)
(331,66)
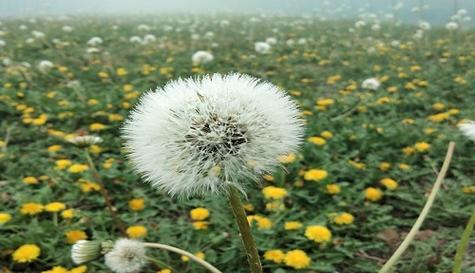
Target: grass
(420,79)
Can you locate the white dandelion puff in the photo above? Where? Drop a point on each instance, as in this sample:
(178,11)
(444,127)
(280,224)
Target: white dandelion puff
(67,28)
(45,66)
(468,129)
(126,256)
(84,251)
(201,57)
(195,136)
(94,41)
(136,40)
(371,84)
(262,47)
(451,26)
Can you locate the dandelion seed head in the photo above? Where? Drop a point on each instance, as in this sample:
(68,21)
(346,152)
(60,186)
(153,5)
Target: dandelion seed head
(195,136)
(126,256)
(468,129)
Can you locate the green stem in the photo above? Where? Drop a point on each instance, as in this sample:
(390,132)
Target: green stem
(245,230)
(105,193)
(415,228)
(202,262)
(55,219)
(462,248)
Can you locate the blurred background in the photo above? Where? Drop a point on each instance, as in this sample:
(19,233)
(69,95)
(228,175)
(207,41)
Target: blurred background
(436,12)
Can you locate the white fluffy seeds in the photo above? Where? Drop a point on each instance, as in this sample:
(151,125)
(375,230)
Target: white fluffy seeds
(195,136)
(127,256)
(468,129)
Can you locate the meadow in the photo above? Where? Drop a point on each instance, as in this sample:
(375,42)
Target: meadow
(344,201)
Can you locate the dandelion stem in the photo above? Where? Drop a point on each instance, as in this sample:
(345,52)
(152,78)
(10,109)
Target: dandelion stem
(202,262)
(415,228)
(462,248)
(104,193)
(55,219)
(245,230)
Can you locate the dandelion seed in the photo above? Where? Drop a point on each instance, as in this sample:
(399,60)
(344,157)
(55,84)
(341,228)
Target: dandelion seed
(201,57)
(371,84)
(468,129)
(179,134)
(126,256)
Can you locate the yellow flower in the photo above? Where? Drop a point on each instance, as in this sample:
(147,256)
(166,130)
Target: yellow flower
(373,194)
(274,255)
(317,140)
(78,168)
(115,117)
(30,180)
(200,225)
(103,75)
(136,231)
(422,147)
(315,175)
(297,259)
(468,189)
(292,225)
(326,134)
(54,148)
(4,217)
(166,270)
(95,149)
(389,183)
(262,222)
(408,150)
(67,214)
(198,254)
(121,72)
(199,214)
(55,207)
(31,208)
(286,159)
(268,177)
(92,102)
(26,253)
(75,235)
(318,234)
(404,166)
(271,192)
(343,219)
(384,166)
(88,186)
(56,269)
(358,165)
(333,189)
(62,164)
(137,204)
(325,102)
(79,269)
(97,127)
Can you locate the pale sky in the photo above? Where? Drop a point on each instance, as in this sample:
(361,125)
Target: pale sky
(438,11)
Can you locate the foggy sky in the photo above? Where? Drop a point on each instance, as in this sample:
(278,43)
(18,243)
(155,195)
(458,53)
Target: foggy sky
(438,12)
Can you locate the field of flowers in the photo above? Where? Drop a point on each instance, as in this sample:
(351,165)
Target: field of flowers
(345,200)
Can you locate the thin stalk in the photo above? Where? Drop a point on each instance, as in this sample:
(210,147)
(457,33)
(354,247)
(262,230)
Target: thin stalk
(245,230)
(104,193)
(202,262)
(462,248)
(415,228)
